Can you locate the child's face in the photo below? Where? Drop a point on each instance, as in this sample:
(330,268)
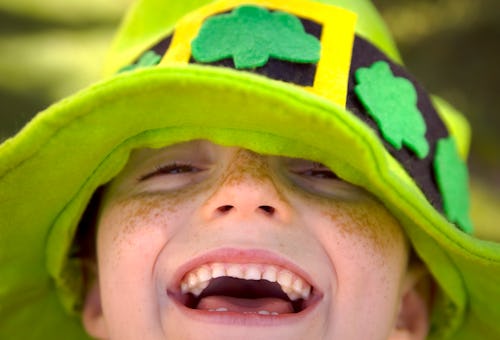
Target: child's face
(202,208)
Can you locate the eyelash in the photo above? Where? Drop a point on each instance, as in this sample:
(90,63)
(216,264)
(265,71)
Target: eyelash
(175,168)
(318,170)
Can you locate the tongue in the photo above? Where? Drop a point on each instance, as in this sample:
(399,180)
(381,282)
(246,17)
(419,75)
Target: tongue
(240,305)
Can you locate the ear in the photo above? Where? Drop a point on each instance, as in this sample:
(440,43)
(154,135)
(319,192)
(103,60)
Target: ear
(413,318)
(92,315)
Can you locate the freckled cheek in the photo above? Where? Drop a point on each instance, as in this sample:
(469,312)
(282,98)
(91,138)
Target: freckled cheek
(368,251)
(364,226)
(132,235)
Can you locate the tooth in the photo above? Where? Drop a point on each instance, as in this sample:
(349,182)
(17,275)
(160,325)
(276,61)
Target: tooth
(275,313)
(204,284)
(199,287)
(198,279)
(235,271)
(285,279)
(264,312)
(192,280)
(298,285)
(253,273)
(306,292)
(301,288)
(218,270)
(204,273)
(269,274)
(293,296)
(221,309)
(196,291)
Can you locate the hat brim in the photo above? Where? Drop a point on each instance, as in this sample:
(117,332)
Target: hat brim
(49,171)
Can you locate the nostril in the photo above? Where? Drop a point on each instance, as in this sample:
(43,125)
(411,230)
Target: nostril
(225,208)
(268,209)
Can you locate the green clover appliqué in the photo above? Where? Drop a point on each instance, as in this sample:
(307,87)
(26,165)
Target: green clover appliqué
(150,58)
(453,180)
(251,35)
(392,102)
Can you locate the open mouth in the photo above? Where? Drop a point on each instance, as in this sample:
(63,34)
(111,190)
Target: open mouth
(259,289)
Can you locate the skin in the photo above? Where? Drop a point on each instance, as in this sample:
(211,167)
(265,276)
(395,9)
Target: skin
(152,223)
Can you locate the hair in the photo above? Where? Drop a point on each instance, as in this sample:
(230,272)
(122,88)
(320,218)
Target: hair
(84,243)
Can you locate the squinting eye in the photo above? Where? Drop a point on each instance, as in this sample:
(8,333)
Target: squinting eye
(171,169)
(318,170)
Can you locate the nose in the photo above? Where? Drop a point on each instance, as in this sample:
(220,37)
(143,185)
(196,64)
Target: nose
(248,189)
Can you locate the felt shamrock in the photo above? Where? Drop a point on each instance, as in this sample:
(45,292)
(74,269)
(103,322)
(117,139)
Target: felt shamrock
(452,178)
(150,58)
(392,102)
(251,35)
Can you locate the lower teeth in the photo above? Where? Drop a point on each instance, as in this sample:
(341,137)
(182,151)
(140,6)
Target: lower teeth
(261,312)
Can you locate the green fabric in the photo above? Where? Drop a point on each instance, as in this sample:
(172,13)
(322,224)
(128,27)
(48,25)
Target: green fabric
(123,103)
(150,20)
(452,179)
(143,26)
(392,102)
(457,125)
(150,58)
(38,315)
(251,35)
(49,171)
(370,25)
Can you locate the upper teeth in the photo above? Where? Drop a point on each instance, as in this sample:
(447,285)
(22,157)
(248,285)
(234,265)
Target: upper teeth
(198,279)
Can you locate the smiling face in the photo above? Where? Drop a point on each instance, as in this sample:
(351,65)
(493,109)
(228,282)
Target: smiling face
(201,241)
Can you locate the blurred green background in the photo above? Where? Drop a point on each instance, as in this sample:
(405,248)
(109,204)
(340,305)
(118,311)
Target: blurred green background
(52,48)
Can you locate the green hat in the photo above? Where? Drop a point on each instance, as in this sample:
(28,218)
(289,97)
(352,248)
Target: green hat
(313,79)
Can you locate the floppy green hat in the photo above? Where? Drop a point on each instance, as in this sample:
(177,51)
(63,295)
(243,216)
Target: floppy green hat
(313,79)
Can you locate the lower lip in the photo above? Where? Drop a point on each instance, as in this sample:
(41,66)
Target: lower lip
(250,319)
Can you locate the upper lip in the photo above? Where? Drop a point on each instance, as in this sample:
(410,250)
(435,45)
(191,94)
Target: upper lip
(241,256)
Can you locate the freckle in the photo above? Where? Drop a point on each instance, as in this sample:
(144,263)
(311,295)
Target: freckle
(247,164)
(367,221)
(152,209)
